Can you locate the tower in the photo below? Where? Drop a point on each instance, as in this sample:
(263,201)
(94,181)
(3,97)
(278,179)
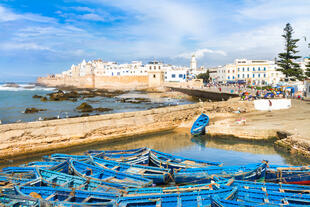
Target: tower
(193,65)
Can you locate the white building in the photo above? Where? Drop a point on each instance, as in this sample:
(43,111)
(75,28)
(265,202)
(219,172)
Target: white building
(256,72)
(135,68)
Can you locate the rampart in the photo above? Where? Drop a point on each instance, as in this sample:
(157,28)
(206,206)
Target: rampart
(89,81)
(26,138)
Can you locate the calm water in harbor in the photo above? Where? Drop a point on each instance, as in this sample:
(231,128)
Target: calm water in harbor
(14,101)
(230,151)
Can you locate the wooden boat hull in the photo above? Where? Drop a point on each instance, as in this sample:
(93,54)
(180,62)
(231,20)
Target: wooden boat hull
(199,125)
(201,175)
(52,178)
(285,188)
(165,160)
(195,198)
(290,175)
(98,173)
(157,175)
(67,197)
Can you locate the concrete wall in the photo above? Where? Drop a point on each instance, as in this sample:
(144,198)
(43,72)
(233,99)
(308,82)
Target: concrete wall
(25,138)
(203,94)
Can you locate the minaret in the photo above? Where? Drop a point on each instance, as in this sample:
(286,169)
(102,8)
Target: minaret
(193,65)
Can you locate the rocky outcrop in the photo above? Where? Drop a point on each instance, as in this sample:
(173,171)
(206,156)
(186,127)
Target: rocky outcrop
(85,107)
(12,85)
(33,110)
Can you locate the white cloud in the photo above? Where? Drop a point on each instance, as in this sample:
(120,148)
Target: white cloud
(200,53)
(92,17)
(23,46)
(7,15)
(275,9)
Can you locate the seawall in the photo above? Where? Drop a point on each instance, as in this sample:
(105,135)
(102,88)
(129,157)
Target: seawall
(26,138)
(102,82)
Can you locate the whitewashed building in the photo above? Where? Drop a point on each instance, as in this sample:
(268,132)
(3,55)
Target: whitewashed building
(172,73)
(256,72)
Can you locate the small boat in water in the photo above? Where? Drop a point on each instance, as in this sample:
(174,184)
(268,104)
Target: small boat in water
(156,174)
(284,188)
(288,174)
(201,175)
(165,160)
(66,197)
(106,175)
(17,200)
(117,152)
(193,198)
(200,124)
(132,156)
(52,178)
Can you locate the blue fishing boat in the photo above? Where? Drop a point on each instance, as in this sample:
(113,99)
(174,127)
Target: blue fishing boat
(67,197)
(195,198)
(272,197)
(52,178)
(17,200)
(288,174)
(214,184)
(102,174)
(41,164)
(136,156)
(284,188)
(63,157)
(201,175)
(117,152)
(200,124)
(156,174)
(165,160)
(220,202)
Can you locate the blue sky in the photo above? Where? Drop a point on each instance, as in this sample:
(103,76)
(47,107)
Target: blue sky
(38,37)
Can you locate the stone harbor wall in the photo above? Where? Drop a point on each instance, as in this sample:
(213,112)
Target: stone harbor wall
(26,138)
(89,81)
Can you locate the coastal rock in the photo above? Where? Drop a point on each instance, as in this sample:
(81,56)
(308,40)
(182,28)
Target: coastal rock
(33,110)
(12,85)
(43,99)
(37,96)
(100,109)
(85,107)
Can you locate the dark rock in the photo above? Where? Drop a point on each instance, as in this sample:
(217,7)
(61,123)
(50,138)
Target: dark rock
(12,85)
(49,118)
(43,99)
(85,107)
(37,96)
(33,110)
(100,109)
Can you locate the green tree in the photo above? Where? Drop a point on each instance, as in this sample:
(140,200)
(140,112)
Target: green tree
(204,76)
(286,59)
(307,73)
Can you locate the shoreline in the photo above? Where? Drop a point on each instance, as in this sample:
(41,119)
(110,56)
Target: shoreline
(25,139)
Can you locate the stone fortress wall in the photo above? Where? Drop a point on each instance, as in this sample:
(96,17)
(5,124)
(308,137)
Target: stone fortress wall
(90,81)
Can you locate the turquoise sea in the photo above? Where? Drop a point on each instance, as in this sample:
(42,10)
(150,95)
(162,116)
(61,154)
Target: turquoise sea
(14,101)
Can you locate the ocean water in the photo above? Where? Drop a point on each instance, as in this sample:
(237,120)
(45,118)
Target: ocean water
(14,101)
